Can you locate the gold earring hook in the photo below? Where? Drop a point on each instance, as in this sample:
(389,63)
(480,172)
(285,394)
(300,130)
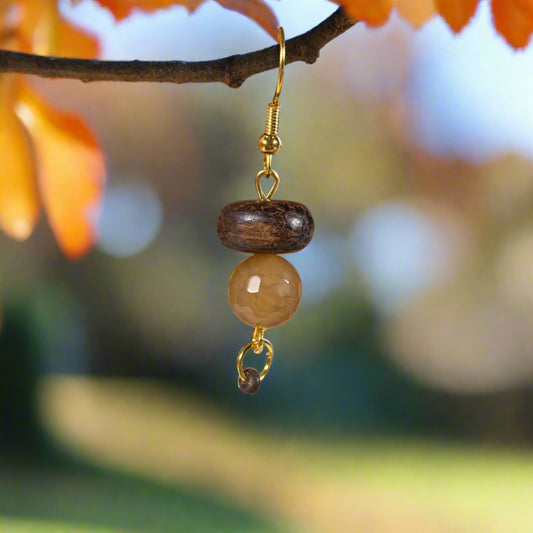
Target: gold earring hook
(279,84)
(269,143)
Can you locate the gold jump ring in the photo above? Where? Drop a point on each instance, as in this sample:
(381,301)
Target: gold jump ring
(269,357)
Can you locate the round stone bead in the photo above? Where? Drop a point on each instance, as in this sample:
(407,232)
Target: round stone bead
(252,383)
(264,290)
(265,226)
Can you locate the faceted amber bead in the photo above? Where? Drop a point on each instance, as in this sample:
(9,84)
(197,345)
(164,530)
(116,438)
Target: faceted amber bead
(265,290)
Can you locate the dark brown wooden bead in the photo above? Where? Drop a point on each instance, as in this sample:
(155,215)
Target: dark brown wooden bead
(252,384)
(265,226)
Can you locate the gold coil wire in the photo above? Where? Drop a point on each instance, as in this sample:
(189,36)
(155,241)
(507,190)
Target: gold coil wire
(272,120)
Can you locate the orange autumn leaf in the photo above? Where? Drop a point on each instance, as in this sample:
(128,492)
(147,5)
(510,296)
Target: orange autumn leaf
(122,9)
(416,12)
(256,10)
(71,172)
(71,41)
(457,13)
(373,12)
(19,202)
(46,32)
(4,7)
(513,19)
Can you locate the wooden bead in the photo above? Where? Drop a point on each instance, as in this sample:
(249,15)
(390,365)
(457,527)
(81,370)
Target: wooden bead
(260,226)
(264,290)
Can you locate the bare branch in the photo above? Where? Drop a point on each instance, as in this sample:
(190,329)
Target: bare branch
(232,70)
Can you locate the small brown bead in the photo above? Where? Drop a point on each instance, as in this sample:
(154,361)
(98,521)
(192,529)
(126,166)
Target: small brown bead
(265,226)
(253,382)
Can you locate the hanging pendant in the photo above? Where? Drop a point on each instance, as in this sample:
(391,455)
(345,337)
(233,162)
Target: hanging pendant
(265,290)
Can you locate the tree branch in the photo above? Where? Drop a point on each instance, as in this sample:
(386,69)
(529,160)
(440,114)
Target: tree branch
(232,70)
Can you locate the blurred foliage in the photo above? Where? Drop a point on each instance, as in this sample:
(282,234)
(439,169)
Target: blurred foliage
(87,496)
(20,427)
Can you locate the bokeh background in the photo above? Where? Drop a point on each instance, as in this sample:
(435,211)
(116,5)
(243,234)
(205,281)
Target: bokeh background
(401,395)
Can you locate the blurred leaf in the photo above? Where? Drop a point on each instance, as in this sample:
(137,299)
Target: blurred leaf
(38,144)
(122,9)
(4,7)
(457,13)
(373,12)
(71,171)
(19,203)
(416,13)
(256,10)
(70,40)
(513,19)
(376,13)
(44,31)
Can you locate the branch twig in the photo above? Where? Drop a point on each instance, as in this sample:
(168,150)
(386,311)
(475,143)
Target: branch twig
(232,70)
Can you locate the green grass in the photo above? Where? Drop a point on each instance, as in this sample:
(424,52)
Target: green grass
(475,489)
(175,464)
(27,526)
(75,498)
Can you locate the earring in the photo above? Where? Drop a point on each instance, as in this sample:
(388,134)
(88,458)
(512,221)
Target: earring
(265,290)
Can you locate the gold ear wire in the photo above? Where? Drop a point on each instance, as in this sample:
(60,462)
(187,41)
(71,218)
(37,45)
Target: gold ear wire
(279,84)
(269,143)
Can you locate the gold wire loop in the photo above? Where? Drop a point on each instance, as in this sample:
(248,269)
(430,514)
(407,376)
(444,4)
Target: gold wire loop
(267,163)
(258,338)
(245,349)
(279,84)
(266,173)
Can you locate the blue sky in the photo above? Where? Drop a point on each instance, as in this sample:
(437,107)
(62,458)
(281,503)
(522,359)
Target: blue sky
(475,92)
